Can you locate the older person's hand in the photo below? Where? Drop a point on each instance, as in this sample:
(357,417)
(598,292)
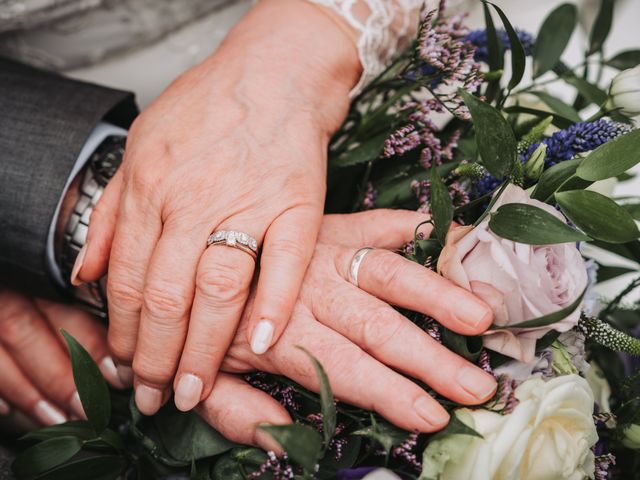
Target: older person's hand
(237,143)
(361,340)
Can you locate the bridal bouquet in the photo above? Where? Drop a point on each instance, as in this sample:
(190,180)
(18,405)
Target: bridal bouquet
(460,125)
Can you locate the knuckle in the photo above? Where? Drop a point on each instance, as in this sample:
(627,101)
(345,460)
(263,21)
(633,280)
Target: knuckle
(223,285)
(157,371)
(380,328)
(121,347)
(125,296)
(293,246)
(165,302)
(387,272)
(18,328)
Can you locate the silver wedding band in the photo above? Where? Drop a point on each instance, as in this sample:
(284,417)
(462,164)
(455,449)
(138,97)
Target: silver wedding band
(355,264)
(231,238)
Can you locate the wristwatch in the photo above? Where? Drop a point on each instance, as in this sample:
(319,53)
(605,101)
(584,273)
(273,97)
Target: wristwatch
(102,166)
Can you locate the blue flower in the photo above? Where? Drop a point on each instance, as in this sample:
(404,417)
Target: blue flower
(579,138)
(480,40)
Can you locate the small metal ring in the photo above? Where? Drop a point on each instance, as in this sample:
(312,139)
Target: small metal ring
(358,257)
(231,238)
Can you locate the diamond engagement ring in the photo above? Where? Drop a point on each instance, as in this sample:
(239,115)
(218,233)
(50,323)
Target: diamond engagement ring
(231,238)
(355,264)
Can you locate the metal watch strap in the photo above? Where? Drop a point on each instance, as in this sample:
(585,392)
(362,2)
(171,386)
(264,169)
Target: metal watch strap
(103,164)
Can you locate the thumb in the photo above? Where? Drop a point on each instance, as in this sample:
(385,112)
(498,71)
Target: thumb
(93,259)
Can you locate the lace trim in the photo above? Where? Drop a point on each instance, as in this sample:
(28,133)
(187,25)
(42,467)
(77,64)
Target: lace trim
(385,27)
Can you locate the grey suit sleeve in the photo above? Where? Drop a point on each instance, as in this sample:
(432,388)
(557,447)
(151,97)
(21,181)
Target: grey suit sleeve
(45,120)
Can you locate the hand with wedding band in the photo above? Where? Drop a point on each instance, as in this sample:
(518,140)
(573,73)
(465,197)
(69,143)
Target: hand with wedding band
(234,147)
(361,340)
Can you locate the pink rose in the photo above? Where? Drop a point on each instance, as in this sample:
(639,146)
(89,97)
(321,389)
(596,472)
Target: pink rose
(520,282)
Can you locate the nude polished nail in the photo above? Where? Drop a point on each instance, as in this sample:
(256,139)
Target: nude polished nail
(48,414)
(148,399)
(110,372)
(188,392)
(478,383)
(76,406)
(4,407)
(125,374)
(262,336)
(77,266)
(432,414)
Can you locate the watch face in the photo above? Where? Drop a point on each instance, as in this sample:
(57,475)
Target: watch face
(107,158)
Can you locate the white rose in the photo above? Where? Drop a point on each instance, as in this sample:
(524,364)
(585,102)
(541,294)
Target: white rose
(548,436)
(624,93)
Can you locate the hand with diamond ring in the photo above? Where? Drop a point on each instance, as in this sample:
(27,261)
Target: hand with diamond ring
(238,144)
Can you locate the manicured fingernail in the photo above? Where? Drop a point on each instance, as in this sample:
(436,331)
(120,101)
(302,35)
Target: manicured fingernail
(110,372)
(76,406)
(472,312)
(478,383)
(48,414)
(266,441)
(148,399)
(435,417)
(4,407)
(125,374)
(262,336)
(188,392)
(75,281)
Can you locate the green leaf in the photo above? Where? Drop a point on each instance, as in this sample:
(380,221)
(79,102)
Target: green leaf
(553,178)
(557,119)
(364,152)
(301,442)
(598,216)
(441,205)
(495,140)
(531,225)
(601,26)
(102,467)
(630,250)
(80,429)
(589,91)
(558,106)
(607,272)
(612,158)
(456,427)
(467,347)
(625,60)
(550,318)
(387,435)
(46,455)
(227,468)
(496,54)
(186,436)
(327,404)
(553,37)
(633,209)
(518,57)
(92,388)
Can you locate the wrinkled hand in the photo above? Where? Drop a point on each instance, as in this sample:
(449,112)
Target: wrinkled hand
(237,143)
(359,338)
(36,373)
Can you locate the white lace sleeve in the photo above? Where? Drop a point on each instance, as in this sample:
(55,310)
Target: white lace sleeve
(385,27)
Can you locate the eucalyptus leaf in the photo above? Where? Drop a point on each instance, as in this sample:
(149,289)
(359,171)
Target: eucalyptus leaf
(77,428)
(95,467)
(441,205)
(557,119)
(625,60)
(327,405)
(589,91)
(558,106)
(550,318)
(601,26)
(607,272)
(495,140)
(366,151)
(553,178)
(518,56)
(553,37)
(92,388)
(612,158)
(531,225)
(46,455)
(598,216)
(301,442)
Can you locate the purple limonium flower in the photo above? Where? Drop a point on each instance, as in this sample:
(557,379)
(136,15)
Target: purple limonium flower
(401,141)
(480,40)
(355,473)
